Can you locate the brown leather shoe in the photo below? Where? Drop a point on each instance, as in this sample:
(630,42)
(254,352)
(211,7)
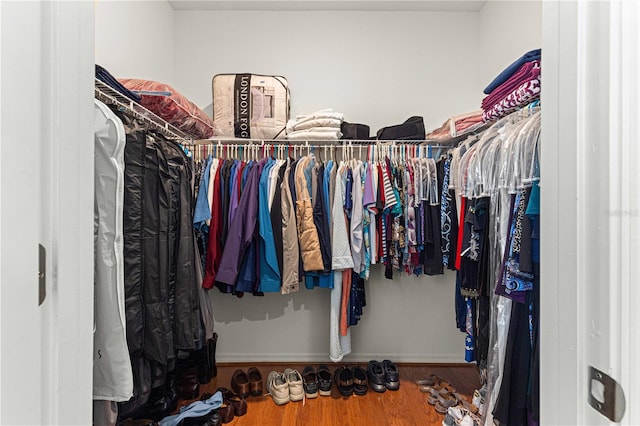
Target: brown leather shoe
(226,411)
(239,404)
(240,383)
(231,398)
(255,381)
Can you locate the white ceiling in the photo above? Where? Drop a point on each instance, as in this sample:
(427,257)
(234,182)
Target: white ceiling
(363,5)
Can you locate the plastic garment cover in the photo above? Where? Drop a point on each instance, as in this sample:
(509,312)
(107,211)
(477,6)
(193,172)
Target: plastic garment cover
(171,106)
(158,337)
(141,386)
(112,376)
(205,299)
(510,165)
(134,159)
(184,311)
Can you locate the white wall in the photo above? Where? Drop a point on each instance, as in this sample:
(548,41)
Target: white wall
(135,39)
(508,29)
(378,68)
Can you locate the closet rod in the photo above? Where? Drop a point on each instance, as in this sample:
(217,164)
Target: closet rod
(324,143)
(107,94)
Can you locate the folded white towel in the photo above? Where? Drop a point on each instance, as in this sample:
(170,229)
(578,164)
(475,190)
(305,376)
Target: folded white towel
(308,123)
(316,134)
(324,113)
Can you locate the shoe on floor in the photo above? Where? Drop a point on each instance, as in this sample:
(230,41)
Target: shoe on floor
(344,379)
(360,383)
(376,376)
(278,387)
(240,383)
(324,379)
(255,381)
(391,375)
(296,389)
(430,380)
(310,380)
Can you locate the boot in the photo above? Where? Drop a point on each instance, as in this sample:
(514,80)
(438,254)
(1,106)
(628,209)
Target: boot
(201,358)
(212,355)
(187,380)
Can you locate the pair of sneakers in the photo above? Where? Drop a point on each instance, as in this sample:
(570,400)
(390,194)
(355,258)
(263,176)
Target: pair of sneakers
(383,375)
(286,386)
(316,381)
(459,416)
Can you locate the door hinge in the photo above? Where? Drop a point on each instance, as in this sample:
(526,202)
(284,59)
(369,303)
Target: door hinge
(42,274)
(606,395)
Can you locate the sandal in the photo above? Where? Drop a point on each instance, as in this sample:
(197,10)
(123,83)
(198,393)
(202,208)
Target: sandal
(444,403)
(344,379)
(431,380)
(444,386)
(469,406)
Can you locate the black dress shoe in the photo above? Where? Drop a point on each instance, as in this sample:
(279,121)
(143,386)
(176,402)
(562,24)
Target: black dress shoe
(324,379)
(310,382)
(391,375)
(375,372)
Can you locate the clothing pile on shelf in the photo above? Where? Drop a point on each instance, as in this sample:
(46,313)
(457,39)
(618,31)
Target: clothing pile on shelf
(515,87)
(108,79)
(495,178)
(457,128)
(321,125)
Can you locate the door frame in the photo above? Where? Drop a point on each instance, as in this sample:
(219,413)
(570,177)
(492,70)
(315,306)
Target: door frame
(588,174)
(46,181)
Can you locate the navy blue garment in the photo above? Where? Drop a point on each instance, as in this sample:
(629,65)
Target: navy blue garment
(508,72)
(104,76)
(319,218)
(348,202)
(357,299)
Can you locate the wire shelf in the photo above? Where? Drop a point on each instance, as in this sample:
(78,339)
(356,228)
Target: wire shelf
(107,94)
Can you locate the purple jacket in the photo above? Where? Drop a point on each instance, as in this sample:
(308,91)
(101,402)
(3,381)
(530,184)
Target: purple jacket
(241,228)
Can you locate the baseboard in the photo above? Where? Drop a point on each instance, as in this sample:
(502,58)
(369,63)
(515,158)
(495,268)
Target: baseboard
(324,358)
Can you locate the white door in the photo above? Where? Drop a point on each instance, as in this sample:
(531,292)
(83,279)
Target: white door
(46,197)
(591,213)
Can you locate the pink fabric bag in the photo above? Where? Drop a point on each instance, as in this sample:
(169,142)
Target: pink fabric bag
(167,103)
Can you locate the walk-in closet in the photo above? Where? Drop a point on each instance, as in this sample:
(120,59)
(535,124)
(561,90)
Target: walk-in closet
(315,212)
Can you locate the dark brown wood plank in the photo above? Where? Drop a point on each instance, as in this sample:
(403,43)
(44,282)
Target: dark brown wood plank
(407,406)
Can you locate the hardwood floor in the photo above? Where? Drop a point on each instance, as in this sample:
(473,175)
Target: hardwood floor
(407,406)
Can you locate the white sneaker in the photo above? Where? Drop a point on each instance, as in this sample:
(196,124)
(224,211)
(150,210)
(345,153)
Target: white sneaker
(278,387)
(466,421)
(296,389)
(478,399)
